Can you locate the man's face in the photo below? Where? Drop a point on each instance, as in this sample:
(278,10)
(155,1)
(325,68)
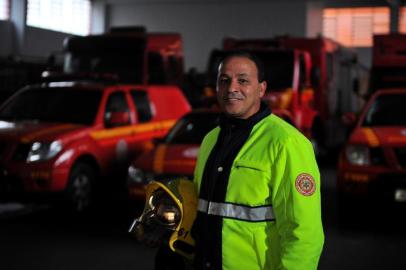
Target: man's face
(238,91)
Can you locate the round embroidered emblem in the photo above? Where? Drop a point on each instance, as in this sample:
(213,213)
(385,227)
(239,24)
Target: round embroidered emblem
(305,184)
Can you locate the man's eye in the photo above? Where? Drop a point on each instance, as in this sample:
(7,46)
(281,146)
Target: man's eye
(243,81)
(223,80)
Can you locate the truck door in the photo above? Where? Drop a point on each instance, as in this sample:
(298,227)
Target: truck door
(117,132)
(146,130)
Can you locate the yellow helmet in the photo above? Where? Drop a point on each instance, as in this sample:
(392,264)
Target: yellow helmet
(169,213)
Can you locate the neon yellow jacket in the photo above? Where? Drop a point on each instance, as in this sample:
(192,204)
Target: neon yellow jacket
(281,162)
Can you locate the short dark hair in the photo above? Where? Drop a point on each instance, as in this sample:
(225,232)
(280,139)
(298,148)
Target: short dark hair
(251,56)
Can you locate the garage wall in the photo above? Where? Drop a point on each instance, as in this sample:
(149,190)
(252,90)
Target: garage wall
(203,25)
(40,42)
(24,42)
(36,44)
(7,38)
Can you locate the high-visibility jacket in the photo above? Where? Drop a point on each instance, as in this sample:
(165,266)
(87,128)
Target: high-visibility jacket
(271,213)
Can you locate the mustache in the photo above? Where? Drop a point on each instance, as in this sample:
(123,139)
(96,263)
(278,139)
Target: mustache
(233,95)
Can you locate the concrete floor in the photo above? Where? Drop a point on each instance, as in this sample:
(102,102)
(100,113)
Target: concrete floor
(43,238)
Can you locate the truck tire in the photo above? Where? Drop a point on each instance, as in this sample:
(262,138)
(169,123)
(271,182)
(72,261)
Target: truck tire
(80,187)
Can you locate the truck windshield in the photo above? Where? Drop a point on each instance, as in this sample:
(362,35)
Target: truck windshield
(122,56)
(278,67)
(387,110)
(60,105)
(192,128)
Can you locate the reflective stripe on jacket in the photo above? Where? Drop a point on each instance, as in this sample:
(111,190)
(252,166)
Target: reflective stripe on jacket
(268,221)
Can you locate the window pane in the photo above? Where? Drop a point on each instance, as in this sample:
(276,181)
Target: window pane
(69,16)
(330,27)
(361,32)
(141,101)
(192,128)
(65,105)
(355,26)
(4,9)
(387,110)
(402,20)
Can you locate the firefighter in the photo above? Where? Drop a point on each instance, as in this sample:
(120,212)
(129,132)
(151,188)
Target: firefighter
(257,180)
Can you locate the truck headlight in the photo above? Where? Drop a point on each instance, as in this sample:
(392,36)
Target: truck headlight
(357,155)
(138,176)
(135,175)
(43,151)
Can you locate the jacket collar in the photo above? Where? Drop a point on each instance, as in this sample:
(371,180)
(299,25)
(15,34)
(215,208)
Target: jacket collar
(228,122)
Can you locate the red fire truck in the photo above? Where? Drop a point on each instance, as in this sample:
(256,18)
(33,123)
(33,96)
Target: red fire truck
(373,162)
(388,62)
(125,54)
(333,74)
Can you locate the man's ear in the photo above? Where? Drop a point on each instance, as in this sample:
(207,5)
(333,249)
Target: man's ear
(262,88)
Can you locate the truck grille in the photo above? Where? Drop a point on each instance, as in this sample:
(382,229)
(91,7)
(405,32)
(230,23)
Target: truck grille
(21,152)
(377,156)
(401,156)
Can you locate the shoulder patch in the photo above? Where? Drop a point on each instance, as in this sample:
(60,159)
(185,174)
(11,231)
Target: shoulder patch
(305,184)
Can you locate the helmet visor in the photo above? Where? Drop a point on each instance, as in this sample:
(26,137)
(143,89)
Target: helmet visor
(164,210)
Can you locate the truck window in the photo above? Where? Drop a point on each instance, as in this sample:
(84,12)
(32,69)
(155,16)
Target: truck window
(278,67)
(387,110)
(387,77)
(142,105)
(192,128)
(116,103)
(119,55)
(53,104)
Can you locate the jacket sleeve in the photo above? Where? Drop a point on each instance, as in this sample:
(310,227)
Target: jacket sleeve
(297,206)
(205,148)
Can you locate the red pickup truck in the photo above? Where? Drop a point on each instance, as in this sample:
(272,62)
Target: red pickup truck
(175,156)
(65,137)
(373,161)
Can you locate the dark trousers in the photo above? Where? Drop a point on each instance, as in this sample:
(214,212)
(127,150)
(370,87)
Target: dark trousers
(166,259)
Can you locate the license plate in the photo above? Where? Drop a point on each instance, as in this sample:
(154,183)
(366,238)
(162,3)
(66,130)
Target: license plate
(400,195)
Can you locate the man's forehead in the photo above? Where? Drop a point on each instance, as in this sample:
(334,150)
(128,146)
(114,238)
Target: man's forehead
(242,74)
(240,64)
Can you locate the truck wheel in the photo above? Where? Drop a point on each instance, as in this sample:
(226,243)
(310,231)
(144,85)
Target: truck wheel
(80,187)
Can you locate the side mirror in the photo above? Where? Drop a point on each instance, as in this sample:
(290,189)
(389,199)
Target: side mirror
(116,119)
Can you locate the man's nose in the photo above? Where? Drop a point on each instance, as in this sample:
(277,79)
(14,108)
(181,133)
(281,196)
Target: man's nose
(233,86)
